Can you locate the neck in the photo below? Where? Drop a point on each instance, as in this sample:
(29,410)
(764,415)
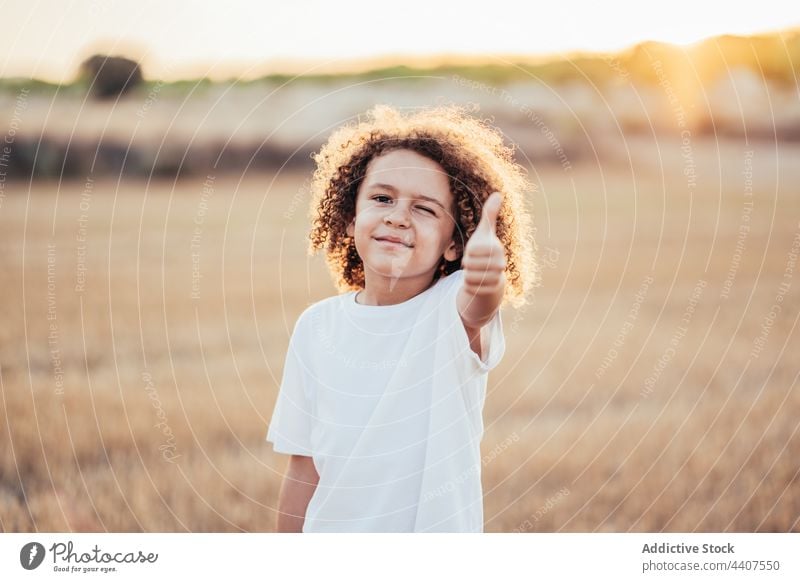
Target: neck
(383,290)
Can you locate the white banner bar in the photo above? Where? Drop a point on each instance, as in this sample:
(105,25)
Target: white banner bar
(390,557)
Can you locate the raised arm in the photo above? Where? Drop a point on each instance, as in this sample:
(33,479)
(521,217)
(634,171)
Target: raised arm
(298,486)
(484,266)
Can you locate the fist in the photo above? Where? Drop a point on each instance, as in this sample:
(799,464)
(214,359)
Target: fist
(484,261)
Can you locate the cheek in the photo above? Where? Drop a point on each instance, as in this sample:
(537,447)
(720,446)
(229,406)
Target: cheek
(363,224)
(434,240)
(367,215)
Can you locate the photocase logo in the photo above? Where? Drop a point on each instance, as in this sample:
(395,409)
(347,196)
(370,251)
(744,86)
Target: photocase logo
(31,555)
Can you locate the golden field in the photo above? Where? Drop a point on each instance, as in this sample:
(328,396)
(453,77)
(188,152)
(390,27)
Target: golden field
(645,388)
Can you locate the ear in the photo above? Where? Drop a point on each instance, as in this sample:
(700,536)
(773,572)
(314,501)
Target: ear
(351,228)
(452,252)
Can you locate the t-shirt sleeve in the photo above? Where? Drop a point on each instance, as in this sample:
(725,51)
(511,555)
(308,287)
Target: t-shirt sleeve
(290,427)
(493,343)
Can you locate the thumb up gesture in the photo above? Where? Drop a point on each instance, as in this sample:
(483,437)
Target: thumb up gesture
(484,261)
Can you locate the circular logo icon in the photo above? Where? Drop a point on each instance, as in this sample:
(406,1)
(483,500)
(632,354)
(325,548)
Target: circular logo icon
(31,555)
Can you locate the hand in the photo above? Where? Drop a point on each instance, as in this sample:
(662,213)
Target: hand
(484,261)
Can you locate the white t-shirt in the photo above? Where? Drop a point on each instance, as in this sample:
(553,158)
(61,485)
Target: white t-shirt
(388,401)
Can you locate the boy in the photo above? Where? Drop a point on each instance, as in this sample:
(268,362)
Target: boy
(381,400)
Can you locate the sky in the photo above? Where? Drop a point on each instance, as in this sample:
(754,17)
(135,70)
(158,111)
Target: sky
(174,39)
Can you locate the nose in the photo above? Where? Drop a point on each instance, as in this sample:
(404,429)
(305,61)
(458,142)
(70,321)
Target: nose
(397,216)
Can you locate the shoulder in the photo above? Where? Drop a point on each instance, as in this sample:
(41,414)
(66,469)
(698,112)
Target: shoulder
(321,309)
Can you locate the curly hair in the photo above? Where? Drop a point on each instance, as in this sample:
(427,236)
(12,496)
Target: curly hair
(474,158)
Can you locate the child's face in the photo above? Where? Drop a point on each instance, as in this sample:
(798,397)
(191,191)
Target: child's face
(404,217)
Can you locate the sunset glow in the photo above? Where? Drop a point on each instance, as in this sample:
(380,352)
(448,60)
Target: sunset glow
(181,39)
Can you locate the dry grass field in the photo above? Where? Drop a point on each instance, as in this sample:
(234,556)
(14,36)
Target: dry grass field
(649,386)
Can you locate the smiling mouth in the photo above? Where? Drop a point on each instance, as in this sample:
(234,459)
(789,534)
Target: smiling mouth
(393,241)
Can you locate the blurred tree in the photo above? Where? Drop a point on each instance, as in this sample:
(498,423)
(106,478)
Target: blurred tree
(109,76)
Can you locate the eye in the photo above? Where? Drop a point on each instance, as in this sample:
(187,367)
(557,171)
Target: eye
(428,210)
(382,198)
